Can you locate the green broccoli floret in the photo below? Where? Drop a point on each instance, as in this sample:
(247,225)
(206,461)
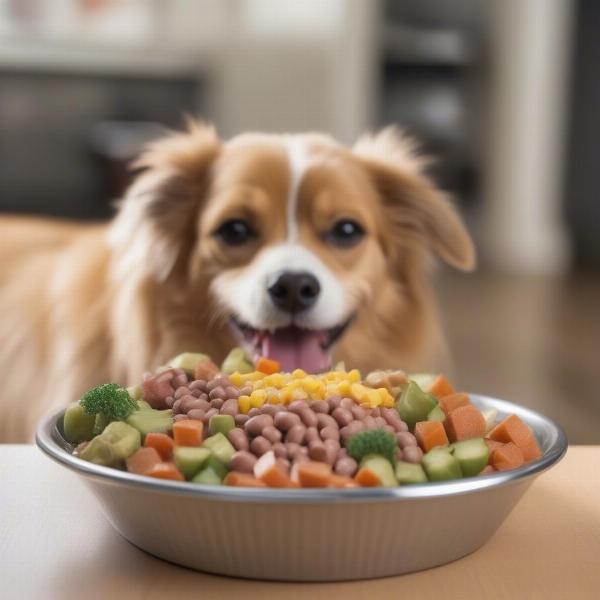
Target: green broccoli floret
(373,441)
(109,400)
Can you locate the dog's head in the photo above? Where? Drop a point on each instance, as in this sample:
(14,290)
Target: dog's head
(294,241)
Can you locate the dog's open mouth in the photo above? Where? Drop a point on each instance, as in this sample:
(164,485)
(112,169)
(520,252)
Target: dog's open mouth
(292,347)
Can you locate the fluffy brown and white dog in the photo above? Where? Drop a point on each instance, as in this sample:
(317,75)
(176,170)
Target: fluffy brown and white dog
(294,244)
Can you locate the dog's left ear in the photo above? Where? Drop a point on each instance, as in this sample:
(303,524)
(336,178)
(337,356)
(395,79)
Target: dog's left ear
(416,209)
(156,220)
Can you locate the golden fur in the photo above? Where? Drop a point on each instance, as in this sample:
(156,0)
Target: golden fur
(85,304)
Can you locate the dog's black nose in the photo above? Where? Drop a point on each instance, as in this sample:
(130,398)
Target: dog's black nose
(294,292)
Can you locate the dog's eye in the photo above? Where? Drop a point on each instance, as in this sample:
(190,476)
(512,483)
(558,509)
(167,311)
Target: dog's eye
(235,232)
(345,233)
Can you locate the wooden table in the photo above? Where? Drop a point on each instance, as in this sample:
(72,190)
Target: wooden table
(55,543)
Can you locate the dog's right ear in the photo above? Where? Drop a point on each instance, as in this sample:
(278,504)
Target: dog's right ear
(156,220)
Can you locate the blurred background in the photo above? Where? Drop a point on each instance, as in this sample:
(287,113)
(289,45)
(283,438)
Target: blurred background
(504,92)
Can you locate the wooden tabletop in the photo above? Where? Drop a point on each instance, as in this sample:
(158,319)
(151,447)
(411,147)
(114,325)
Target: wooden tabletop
(55,543)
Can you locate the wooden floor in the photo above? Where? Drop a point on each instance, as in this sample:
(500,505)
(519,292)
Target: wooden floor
(535,341)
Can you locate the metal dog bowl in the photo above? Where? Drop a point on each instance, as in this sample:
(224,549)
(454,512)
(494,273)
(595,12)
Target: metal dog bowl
(310,534)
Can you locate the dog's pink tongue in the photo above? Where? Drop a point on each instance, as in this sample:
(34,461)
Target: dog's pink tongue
(295,348)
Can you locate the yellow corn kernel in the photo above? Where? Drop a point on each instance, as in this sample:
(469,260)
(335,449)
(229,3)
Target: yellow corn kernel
(244,404)
(358,392)
(354,376)
(344,388)
(298,373)
(374,398)
(299,394)
(236,378)
(285,395)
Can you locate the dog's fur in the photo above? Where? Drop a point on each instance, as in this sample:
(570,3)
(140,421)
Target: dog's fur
(84,304)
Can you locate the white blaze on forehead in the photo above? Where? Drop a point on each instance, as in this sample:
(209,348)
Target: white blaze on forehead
(298,161)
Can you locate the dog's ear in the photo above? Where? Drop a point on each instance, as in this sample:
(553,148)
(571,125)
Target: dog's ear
(416,209)
(156,220)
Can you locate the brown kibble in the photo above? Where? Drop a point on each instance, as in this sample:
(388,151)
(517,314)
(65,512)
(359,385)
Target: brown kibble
(230,407)
(296,434)
(345,466)
(334,401)
(240,419)
(319,406)
(347,403)
(330,433)
(297,405)
(271,433)
(197,414)
(324,420)
(286,420)
(343,416)
(412,454)
(182,390)
(217,392)
(231,392)
(242,461)
(199,384)
(312,434)
(259,445)
(238,439)
(406,439)
(280,450)
(317,451)
(309,418)
(255,425)
(217,403)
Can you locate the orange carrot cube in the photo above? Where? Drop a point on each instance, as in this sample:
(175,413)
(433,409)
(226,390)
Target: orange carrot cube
(161,442)
(188,432)
(464,423)
(430,434)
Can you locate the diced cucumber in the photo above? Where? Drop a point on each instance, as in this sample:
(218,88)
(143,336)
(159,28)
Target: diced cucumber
(436,414)
(382,467)
(190,460)
(237,360)
(188,361)
(220,447)
(414,404)
(78,425)
(472,456)
(423,380)
(135,391)
(100,422)
(116,443)
(100,452)
(221,423)
(441,466)
(407,473)
(490,415)
(143,405)
(208,476)
(147,421)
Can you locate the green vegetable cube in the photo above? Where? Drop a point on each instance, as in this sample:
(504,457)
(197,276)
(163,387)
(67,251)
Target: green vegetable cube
(78,425)
(437,414)
(220,447)
(189,460)
(208,476)
(188,361)
(423,380)
(382,467)
(407,473)
(414,404)
(472,456)
(237,360)
(221,423)
(441,465)
(147,421)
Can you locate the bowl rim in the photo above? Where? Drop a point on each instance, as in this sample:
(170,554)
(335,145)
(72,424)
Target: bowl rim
(556,447)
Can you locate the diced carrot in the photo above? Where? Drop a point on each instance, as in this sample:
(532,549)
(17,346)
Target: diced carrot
(487,470)
(143,460)
(188,432)
(513,429)
(492,444)
(312,473)
(268,366)
(166,470)
(367,478)
(441,387)
(453,401)
(268,471)
(430,434)
(206,369)
(509,456)
(464,423)
(161,442)
(342,481)
(238,479)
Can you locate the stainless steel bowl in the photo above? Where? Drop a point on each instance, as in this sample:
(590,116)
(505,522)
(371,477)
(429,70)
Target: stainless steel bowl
(310,534)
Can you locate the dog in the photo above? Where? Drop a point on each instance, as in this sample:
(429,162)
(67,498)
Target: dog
(299,248)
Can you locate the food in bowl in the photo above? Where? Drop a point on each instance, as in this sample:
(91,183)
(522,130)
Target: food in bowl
(249,424)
